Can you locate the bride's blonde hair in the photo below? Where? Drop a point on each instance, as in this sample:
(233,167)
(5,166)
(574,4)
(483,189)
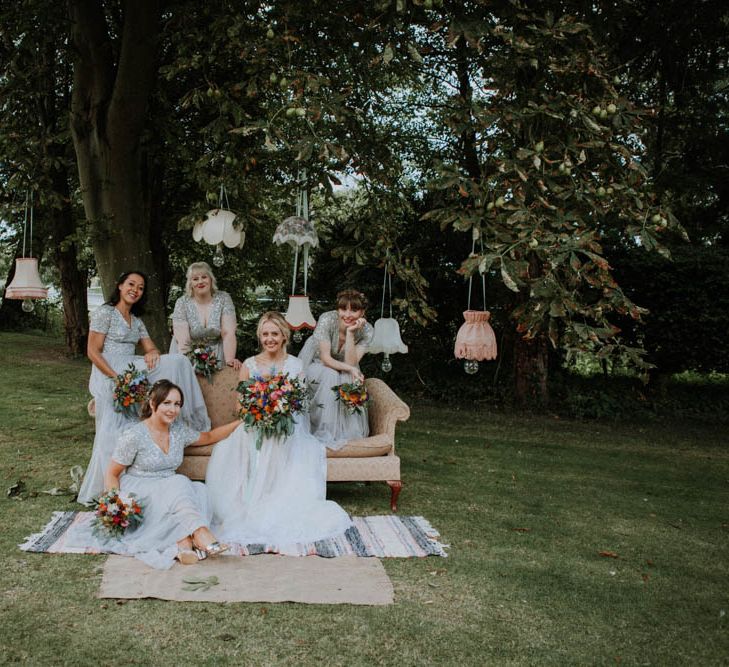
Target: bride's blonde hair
(279,321)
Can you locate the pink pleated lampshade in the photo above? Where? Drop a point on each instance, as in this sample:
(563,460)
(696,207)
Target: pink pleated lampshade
(475,339)
(299,314)
(26,283)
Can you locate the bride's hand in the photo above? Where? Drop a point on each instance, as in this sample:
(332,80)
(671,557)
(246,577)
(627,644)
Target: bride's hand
(356,374)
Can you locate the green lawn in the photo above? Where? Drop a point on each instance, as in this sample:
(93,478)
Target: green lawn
(531,506)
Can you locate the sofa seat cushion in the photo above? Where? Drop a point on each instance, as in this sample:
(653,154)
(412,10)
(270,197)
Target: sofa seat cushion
(375,445)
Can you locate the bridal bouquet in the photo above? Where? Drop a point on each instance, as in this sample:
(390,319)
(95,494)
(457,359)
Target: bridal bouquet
(114,514)
(130,391)
(352,395)
(203,358)
(268,405)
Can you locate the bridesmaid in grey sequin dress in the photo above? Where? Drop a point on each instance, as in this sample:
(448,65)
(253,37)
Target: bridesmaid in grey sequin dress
(331,357)
(175,515)
(114,333)
(205,313)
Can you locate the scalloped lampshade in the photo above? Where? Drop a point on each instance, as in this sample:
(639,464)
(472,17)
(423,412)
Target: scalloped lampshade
(299,314)
(26,283)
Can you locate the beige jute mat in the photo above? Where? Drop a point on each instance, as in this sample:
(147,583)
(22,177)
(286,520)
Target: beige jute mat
(261,578)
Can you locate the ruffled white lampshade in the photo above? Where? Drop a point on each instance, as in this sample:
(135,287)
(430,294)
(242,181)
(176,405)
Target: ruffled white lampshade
(217,228)
(26,283)
(299,314)
(387,337)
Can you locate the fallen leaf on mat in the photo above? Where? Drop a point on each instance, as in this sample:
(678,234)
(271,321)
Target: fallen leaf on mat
(225,637)
(645,578)
(521,530)
(199,583)
(608,554)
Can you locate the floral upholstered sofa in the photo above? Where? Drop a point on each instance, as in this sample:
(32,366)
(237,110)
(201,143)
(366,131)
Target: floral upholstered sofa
(371,459)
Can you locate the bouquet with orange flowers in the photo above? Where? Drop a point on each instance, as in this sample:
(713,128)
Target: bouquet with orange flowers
(203,359)
(114,514)
(352,395)
(130,391)
(268,405)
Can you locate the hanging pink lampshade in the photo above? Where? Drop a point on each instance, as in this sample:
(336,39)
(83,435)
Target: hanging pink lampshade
(476,340)
(299,314)
(26,283)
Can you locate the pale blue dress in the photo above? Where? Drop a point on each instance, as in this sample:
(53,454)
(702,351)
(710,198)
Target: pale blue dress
(119,351)
(186,312)
(330,421)
(173,506)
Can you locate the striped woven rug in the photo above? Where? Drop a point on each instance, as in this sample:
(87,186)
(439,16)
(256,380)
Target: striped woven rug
(384,536)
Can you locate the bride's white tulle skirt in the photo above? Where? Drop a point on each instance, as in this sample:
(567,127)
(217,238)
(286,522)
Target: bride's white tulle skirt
(275,495)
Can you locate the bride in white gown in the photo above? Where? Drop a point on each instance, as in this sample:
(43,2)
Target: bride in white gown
(275,495)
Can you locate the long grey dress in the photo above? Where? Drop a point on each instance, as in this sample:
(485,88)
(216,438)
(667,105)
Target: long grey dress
(119,351)
(330,422)
(188,326)
(173,506)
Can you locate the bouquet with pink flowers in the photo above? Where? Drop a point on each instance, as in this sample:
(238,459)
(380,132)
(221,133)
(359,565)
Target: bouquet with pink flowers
(268,405)
(114,515)
(130,391)
(203,358)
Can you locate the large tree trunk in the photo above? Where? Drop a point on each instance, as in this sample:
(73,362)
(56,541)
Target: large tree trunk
(108,111)
(73,280)
(531,371)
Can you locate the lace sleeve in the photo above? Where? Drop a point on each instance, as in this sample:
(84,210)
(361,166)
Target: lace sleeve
(101,319)
(324,327)
(126,448)
(143,333)
(179,314)
(228,307)
(185,433)
(366,336)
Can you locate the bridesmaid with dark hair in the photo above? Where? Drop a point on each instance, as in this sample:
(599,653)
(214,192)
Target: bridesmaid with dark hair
(114,332)
(175,517)
(331,357)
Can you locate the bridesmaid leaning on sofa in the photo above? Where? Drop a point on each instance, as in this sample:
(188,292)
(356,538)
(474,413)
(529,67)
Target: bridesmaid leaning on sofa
(205,313)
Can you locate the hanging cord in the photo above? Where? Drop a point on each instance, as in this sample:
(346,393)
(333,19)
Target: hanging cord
(476,234)
(386,281)
(223,197)
(302,211)
(25,223)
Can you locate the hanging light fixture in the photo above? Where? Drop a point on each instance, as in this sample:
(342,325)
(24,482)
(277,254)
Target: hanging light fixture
(475,340)
(298,232)
(26,283)
(217,229)
(387,330)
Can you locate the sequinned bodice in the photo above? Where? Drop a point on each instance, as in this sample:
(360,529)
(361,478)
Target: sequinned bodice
(327,329)
(186,311)
(144,458)
(121,338)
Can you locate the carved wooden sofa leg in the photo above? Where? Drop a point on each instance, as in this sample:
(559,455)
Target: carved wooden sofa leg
(395,486)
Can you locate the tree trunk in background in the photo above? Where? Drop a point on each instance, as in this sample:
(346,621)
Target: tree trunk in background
(74,281)
(531,371)
(108,112)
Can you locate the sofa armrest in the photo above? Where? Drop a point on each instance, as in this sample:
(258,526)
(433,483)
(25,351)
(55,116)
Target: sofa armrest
(386,409)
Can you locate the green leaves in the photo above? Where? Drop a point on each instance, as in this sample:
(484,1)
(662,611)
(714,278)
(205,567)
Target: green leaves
(199,583)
